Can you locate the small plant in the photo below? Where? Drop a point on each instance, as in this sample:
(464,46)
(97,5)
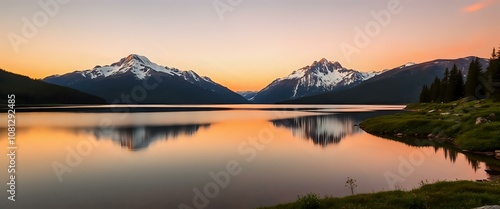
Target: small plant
(309,201)
(423,183)
(351,184)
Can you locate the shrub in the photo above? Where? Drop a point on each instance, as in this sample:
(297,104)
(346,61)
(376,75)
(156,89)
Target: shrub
(309,201)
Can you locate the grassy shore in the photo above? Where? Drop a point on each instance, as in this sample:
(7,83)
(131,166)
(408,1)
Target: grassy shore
(453,122)
(457,194)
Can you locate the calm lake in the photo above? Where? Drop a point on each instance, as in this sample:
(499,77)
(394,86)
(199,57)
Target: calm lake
(237,156)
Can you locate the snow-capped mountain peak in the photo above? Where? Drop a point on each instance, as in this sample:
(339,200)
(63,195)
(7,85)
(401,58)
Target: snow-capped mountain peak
(141,68)
(323,60)
(136,58)
(324,66)
(133,60)
(321,76)
(136,64)
(327,74)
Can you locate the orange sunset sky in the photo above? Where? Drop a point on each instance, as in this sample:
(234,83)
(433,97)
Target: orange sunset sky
(242,44)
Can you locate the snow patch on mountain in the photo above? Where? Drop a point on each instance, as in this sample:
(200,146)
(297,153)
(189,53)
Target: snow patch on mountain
(193,77)
(408,64)
(249,95)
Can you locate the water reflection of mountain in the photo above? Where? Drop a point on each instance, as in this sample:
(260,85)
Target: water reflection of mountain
(140,137)
(322,130)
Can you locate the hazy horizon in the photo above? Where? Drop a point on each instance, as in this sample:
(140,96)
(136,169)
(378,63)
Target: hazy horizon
(252,41)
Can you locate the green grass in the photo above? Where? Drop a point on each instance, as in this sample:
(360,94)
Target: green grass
(456,195)
(452,122)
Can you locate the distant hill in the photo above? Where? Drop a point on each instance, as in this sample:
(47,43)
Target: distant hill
(401,85)
(247,94)
(145,82)
(31,92)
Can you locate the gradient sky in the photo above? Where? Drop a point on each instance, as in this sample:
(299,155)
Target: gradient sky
(255,43)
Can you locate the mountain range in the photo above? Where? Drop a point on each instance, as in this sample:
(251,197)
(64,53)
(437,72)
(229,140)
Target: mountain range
(135,79)
(401,85)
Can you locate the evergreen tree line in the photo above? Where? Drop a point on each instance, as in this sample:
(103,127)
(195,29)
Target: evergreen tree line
(478,85)
(450,88)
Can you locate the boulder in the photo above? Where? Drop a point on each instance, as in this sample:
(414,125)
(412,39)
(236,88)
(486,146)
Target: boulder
(468,99)
(492,172)
(489,207)
(492,116)
(481,120)
(399,135)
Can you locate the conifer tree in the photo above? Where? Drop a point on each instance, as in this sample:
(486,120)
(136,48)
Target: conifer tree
(455,87)
(443,90)
(473,82)
(425,94)
(493,72)
(491,66)
(434,90)
(460,85)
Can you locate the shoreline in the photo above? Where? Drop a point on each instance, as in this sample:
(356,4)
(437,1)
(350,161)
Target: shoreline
(199,107)
(494,154)
(439,194)
(469,126)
